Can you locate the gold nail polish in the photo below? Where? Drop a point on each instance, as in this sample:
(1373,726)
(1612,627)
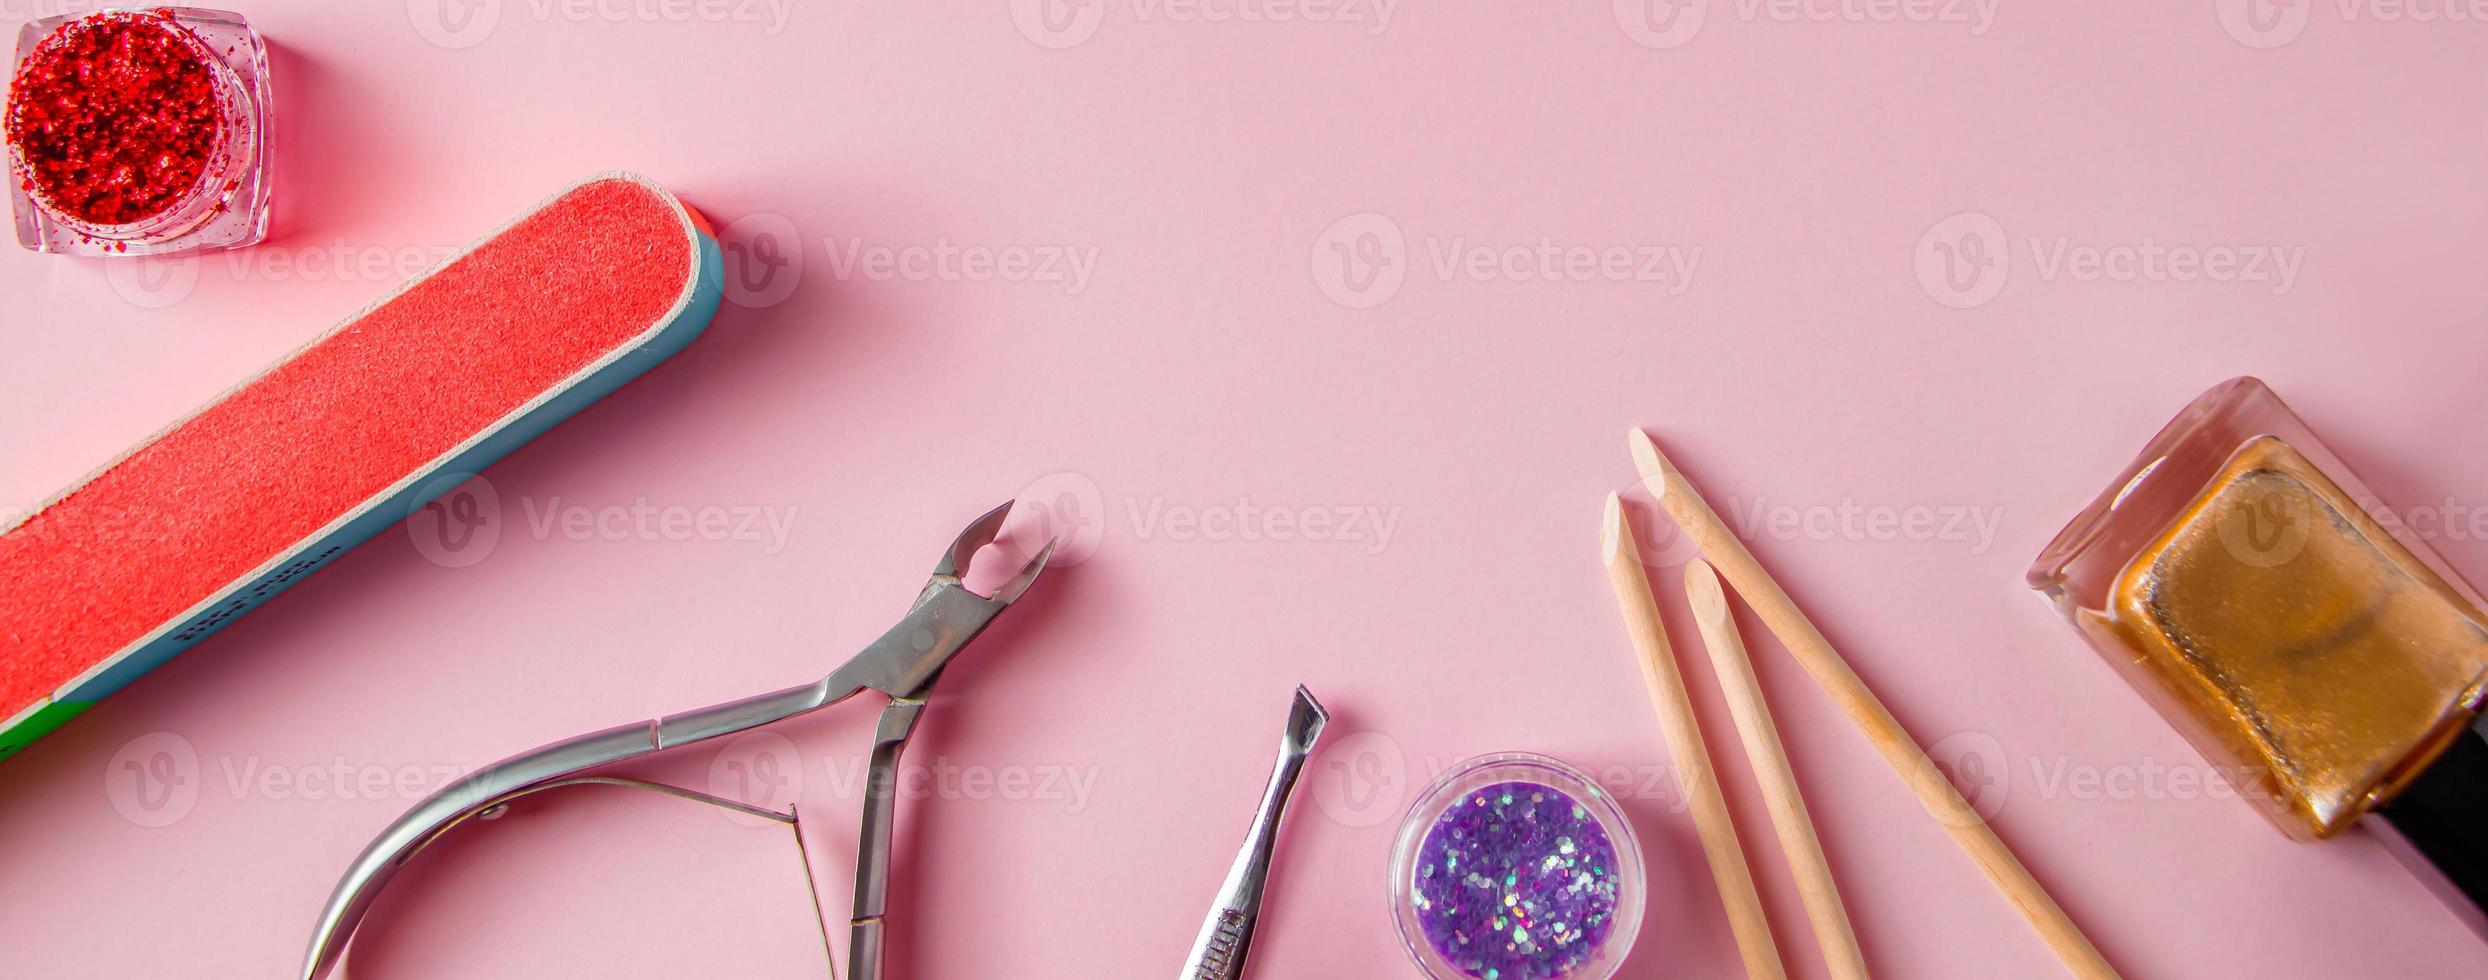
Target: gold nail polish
(2238,575)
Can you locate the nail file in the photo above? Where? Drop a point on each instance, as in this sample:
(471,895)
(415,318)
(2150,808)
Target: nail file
(342,439)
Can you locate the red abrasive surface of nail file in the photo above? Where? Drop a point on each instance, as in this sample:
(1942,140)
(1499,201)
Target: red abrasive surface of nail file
(285,456)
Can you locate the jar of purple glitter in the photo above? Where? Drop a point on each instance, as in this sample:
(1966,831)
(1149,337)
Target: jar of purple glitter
(1514,866)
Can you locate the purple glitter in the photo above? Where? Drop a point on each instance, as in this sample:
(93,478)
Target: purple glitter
(1516,881)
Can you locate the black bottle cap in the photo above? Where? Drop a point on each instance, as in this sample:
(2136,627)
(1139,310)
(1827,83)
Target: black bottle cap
(2443,816)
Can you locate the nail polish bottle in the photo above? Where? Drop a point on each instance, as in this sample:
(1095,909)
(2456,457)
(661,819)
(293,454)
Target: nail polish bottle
(139,131)
(2300,635)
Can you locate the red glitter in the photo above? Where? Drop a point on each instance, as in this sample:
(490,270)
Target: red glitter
(113,117)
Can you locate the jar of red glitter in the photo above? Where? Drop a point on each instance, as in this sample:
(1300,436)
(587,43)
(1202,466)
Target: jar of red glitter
(138,131)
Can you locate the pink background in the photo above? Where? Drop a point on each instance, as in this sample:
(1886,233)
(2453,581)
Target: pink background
(1220,354)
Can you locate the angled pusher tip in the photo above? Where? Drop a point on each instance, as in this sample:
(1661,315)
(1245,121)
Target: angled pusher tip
(1306,719)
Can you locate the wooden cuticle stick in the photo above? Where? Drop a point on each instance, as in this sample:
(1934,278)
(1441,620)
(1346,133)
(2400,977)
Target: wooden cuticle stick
(1684,742)
(1769,758)
(1806,643)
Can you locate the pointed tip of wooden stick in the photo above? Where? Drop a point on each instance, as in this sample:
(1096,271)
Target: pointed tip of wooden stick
(1615,536)
(1647,459)
(1710,602)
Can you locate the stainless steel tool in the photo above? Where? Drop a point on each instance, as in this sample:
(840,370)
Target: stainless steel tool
(1227,938)
(904,664)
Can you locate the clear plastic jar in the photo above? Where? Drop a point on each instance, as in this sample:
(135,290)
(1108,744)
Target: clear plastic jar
(1552,887)
(225,206)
